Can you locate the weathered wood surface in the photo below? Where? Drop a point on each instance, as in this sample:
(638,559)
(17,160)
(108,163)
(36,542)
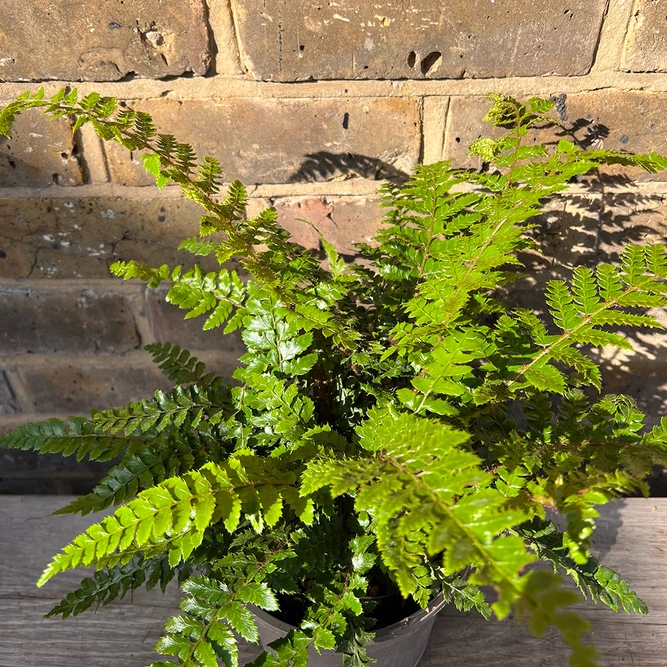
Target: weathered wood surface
(632,538)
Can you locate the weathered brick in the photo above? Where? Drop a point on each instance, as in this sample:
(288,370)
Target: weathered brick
(342,221)
(102,41)
(304,39)
(16,258)
(40,152)
(630,217)
(76,389)
(8,401)
(80,238)
(606,118)
(168,325)
(85,321)
(270,141)
(10,421)
(646,41)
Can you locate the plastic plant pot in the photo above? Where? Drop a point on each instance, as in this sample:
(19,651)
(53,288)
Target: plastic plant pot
(399,645)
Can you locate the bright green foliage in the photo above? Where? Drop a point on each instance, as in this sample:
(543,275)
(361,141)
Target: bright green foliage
(173,515)
(217,294)
(394,426)
(140,469)
(464,595)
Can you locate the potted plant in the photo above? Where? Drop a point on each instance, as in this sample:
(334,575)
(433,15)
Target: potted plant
(395,434)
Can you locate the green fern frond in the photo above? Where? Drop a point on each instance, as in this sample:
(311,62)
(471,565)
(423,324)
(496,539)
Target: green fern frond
(215,608)
(465,596)
(215,294)
(110,584)
(140,270)
(599,583)
(177,364)
(193,403)
(428,506)
(78,437)
(208,176)
(138,470)
(172,516)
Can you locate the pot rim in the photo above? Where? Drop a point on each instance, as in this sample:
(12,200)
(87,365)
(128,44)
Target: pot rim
(383,634)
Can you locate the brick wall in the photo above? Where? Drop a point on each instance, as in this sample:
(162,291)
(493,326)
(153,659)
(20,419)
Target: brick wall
(310,104)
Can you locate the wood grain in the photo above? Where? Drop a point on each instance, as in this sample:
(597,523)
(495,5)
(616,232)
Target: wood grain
(632,538)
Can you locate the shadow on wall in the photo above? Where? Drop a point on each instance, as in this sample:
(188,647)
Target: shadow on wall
(324,165)
(20,173)
(593,227)
(585,228)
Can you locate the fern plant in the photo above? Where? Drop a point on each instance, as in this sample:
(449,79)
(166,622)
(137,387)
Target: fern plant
(394,424)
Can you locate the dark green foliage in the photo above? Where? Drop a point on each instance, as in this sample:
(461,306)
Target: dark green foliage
(78,437)
(394,425)
(177,364)
(599,583)
(190,404)
(114,583)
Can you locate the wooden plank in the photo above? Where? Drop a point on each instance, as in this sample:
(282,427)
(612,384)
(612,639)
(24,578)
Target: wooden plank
(632,538)
(120,635)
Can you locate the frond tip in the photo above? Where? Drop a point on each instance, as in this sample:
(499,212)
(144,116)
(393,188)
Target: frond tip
(172,516)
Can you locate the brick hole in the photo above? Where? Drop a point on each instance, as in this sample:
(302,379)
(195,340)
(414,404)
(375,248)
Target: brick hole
(458,140)
(346,120)
(412,59)
(430,62)
(302,47)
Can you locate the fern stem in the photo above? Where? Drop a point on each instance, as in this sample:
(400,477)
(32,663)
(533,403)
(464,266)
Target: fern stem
(217,615)
(566,335)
